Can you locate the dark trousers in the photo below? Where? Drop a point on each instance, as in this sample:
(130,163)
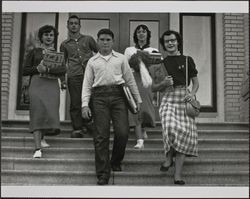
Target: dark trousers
(75,92)
(109,104)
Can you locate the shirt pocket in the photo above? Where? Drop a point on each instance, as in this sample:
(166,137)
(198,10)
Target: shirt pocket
(85,48)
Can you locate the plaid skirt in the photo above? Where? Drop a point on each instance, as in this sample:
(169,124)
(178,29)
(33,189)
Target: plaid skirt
(179,130)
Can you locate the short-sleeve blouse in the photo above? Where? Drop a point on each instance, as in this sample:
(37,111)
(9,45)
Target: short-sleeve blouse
(175,66)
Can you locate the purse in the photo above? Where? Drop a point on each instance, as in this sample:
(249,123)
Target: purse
(25,94)
(130,99)
(25,98)
(193,106)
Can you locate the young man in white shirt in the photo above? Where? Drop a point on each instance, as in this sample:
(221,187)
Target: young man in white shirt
(104,75)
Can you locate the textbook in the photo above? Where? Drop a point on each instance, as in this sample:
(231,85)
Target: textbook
(130,100)
(53,59)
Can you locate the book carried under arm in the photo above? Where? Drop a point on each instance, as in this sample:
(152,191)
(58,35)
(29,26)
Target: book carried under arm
(132,106)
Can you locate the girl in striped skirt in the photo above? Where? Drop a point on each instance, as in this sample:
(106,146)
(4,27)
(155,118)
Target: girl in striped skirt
(180,136)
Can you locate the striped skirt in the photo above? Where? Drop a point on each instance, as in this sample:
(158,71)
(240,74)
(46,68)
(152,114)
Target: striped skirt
(179,130)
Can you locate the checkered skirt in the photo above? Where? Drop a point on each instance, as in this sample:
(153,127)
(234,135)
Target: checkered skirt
(179,130)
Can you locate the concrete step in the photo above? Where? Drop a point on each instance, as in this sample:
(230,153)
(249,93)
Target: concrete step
(201,125)
(142,186)
(140,165)
(88,142)
(152,133)
(131,154)
(26,177)
(196,178)
(191,177)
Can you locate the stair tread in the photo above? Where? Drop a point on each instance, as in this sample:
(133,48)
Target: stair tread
(188,160)
(130,149)
(147,129)
(4,121)
(131,173)
(163,186)
(130,139)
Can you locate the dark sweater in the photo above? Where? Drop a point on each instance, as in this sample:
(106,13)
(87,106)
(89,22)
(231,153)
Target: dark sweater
(175,66)
(33,59)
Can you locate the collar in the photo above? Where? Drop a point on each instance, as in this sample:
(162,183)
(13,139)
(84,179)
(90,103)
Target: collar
(113,53)
(70,38)
(143,47)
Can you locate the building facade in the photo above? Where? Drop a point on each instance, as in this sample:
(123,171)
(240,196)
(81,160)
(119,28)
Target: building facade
(218,42)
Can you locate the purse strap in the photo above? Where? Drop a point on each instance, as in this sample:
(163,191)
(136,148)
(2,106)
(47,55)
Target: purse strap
(164,69)
(187,76)
(186,61)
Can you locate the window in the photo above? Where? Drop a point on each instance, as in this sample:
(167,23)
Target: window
(198,31)
(31,22)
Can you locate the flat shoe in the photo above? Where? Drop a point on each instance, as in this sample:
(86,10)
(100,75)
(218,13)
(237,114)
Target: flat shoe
(164,168)
(77,134)
(179,182)
(102,181)
(116,168)
(37,153)
(44,144)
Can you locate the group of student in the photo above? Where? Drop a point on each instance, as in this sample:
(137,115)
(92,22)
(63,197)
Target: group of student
(95,75)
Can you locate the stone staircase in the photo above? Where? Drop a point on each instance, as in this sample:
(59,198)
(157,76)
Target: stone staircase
(223,158)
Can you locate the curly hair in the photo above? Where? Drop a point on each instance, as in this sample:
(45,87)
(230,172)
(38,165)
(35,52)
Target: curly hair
(177,35)
(47,29)
(144,27)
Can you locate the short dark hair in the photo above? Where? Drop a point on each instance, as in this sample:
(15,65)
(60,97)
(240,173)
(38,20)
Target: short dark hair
(47,29)
(105,31)
(74,17)
(177,35)
(144,27)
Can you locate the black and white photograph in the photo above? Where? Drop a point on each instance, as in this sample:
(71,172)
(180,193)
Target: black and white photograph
(124,99)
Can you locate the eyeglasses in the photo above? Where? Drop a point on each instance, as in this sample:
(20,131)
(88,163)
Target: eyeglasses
(170,40)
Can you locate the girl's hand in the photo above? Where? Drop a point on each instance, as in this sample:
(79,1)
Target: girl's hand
(41,68)
(168,81)
(63,85)
(189,97)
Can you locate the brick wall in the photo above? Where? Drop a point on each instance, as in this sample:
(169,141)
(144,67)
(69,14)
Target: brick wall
(234,64)
(7,30)
(245,84)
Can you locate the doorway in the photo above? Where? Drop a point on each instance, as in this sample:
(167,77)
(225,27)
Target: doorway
(123,25)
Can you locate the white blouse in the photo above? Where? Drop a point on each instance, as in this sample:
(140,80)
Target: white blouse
(132,50)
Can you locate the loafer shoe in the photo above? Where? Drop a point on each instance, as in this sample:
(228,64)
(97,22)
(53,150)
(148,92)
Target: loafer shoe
(179,182)
(116,168)
(102,181)
(37,154)
(165,168)
(44,144)
(77,134)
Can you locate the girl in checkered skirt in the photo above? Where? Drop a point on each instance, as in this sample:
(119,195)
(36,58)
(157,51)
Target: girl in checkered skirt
(180,136)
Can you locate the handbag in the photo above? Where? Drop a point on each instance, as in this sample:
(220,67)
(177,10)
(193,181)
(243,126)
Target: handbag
(130,99)
(25,94)
(193,106)
(25,98)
